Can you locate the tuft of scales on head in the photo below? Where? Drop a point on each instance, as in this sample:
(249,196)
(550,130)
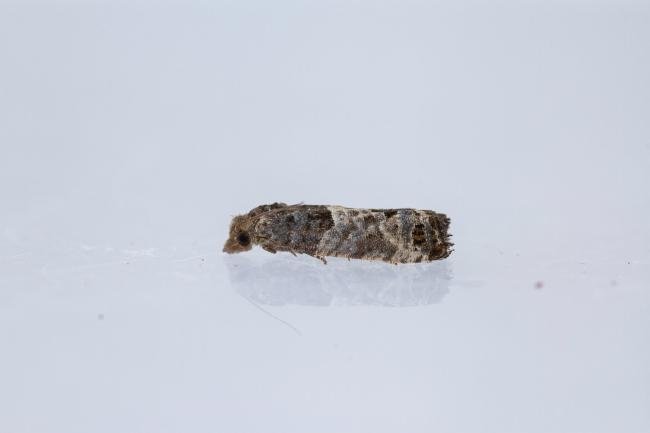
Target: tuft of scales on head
(390,235)
(239,238)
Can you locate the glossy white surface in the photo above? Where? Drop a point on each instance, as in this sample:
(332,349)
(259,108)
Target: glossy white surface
(131,134)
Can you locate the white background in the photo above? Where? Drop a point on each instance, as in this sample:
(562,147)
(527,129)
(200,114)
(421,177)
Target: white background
(130,133)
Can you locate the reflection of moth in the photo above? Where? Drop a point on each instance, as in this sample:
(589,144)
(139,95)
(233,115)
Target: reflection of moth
(274,281)
(391,235)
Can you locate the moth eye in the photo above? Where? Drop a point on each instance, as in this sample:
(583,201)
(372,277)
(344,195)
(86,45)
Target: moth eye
(243,239)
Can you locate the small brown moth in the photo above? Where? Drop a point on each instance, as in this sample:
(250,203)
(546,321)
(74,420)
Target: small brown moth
(391,235)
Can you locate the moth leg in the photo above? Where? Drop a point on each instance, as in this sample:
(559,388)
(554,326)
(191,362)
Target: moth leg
(269,249)
(321,258)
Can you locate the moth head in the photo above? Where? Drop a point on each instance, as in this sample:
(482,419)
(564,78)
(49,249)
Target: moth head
(240,238)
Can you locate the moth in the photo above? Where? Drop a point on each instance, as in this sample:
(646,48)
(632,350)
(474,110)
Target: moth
(390,235)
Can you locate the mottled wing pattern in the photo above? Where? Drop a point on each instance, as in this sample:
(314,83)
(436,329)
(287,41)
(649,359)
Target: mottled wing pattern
(297,228)
(391,235)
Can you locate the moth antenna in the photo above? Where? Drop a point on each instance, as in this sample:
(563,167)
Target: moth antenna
(284,322)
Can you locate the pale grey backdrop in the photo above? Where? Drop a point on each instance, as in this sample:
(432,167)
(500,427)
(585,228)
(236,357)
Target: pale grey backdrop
(131,132)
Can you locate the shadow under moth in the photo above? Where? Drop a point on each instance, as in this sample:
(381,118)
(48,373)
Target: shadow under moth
(391,235)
